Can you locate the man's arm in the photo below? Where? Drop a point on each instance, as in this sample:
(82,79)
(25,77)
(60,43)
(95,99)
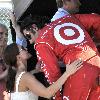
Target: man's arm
(49,64)
(20,39)
(15,25)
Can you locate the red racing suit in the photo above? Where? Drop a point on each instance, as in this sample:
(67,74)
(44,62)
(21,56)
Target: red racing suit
(68,39)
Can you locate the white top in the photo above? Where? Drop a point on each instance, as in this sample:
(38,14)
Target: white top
(27,95)
(60,13)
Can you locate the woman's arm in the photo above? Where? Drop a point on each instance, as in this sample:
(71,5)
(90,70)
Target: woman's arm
(36,87)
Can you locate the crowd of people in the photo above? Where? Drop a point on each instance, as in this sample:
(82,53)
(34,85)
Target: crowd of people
(31,67)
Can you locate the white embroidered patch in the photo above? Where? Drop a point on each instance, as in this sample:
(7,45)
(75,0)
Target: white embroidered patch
(65,98)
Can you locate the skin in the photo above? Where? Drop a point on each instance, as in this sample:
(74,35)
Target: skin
(33,36)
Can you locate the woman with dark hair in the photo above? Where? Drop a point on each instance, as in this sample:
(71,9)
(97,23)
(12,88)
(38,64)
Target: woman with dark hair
(22,85)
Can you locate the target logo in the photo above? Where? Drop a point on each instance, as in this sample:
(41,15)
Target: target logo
(72,32)
(65,98)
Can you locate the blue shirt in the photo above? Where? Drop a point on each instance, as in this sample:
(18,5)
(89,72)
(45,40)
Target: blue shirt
(60,13)
(21,41)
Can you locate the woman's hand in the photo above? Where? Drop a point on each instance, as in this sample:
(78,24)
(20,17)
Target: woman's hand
(13,19)
(73,67)
(6,95)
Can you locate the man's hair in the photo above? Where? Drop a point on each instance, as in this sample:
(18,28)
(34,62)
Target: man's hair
(59,3)
(39,21)
(4,28)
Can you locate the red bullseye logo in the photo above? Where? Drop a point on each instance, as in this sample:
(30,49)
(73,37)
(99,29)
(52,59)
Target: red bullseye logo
(73,34)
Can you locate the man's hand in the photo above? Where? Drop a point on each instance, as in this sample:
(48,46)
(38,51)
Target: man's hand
(13,19)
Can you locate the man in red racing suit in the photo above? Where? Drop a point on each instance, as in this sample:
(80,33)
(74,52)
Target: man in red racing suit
(67,39)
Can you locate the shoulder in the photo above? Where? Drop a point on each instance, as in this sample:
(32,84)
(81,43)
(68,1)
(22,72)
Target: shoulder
(29,79)
(27,75)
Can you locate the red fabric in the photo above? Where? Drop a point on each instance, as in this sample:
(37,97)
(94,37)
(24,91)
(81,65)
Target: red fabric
(95,94)
(52,72)
(90,21)
(99,50)
(67,39)
(81,85)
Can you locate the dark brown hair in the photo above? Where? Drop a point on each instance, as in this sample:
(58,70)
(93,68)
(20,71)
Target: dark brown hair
(10,53)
